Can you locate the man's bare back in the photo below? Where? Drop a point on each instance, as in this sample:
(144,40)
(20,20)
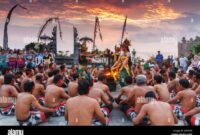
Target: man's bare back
(99,95)
(73,89)
(162,91)
(173,86)
(54,95)
(23,104)
(188,99)
(81,110)
(159,114)
(125,93)
(137,95)
(38,90)
(104,88)
(7,92)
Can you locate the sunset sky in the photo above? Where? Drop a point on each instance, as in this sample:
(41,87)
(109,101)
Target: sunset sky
(152,24)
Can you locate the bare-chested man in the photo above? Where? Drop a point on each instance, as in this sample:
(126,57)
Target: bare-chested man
(187,98)
(191,76)
(159,113)
(101,85)
(197,90)
(197,76)
(55,95)
(51,75)
(181,74)
(172,84)
(8,94)
(38,90)
(95,73)
(29,76)
(164,74)
(73,85)
(149,76)
(81,110)
(125,91)
(25,100)
(137,95)
(161,89)
(105,104)
(50,68)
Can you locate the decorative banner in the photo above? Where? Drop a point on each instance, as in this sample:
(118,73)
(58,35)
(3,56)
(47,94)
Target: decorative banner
(97,28)
(5,39)
(124,29)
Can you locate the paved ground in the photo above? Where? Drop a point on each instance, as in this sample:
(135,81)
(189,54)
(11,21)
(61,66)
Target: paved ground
(117,118)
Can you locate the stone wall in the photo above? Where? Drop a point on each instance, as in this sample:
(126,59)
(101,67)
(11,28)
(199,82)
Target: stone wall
(185,45)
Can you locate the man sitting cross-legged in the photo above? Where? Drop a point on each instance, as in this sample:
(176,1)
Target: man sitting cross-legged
(25,100)
(187,98)
(73,86)
(159,113)
(101,84)
(82,109)
(173,84)
(55,96)
(39,90)
(125,91)
(8,94)
(136,96)
(105,104)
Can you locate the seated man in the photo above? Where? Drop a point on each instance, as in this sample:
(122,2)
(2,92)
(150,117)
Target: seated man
(187,98)
(161,88)
(190,117)
(101,84)
(39,90)
(149,76)
(8,93)
(73,86)
(173,84)
(81,110)
(29,76)
(125,91)
(197,90)
(136,96)
(25,100)
(105,104)
(159,113)
(55,96)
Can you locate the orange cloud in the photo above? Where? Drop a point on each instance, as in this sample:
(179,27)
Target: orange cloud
(159,11)
(138,14)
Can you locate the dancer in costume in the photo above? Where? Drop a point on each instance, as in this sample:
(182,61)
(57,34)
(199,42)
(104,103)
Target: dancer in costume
(121,67)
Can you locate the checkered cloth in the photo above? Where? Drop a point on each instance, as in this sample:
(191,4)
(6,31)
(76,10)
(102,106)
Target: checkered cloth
(8,111)
(96,122)
(193,120)
(198,101)
(179,111)
(35,118)
(60,110)
(130,113)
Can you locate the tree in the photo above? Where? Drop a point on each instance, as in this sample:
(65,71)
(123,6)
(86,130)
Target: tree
(196,48)
(37,47)
(60,53)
